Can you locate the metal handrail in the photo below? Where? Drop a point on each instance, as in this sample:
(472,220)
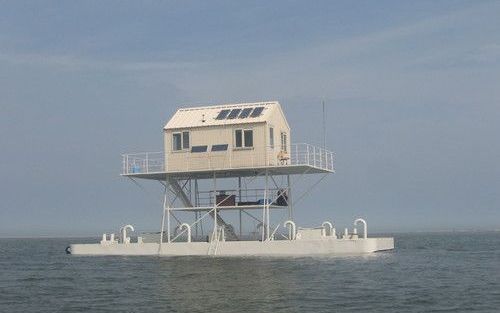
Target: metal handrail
(298,154)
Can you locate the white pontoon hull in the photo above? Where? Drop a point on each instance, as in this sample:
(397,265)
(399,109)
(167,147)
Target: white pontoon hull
(328,246)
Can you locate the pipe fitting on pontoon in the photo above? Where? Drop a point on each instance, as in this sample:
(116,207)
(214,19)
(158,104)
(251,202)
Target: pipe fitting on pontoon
(365,227)
(126,239)
(104,239)
(188,229)
(330,228)
(346,233)
(291,230)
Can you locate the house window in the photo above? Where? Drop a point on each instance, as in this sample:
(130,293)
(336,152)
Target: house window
(196,149)
(243,138)
(176,142)
(185,140)
(248,136)
(238,134)
(180,141)
(271,137)
(283,142)
(222,147)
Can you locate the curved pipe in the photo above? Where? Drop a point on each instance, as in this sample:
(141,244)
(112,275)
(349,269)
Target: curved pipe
(330,228)
(125,239)
(188,228)
(292,229)
(365,228)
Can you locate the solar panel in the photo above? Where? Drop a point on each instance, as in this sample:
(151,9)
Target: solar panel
(234,113)
(245,113)
(257,111)
(222,114)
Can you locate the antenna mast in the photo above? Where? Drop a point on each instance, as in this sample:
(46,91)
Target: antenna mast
(324,124)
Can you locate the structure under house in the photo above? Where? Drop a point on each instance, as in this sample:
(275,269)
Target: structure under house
(227,172)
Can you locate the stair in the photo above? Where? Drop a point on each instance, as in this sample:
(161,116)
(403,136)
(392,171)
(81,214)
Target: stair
(228,228)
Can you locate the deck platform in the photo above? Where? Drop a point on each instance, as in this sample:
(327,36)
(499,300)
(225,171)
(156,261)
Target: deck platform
(302,159)
(234,172)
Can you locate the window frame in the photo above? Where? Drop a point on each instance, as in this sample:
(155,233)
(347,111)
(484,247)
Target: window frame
(204,148)
(242,139)
(245,131)
(284,141)
(271,137)
(225,145)
(174,141)
(183,146)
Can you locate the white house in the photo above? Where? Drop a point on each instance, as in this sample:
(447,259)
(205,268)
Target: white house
(227,137)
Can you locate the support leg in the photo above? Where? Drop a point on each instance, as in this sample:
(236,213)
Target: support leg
(267,209)
(239,199)
(163,214)
(289,201)
(215,204)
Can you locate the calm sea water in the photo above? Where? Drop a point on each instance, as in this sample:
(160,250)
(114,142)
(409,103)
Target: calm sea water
(457,272)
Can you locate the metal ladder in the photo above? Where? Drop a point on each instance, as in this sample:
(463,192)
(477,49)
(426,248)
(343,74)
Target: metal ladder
(215,240)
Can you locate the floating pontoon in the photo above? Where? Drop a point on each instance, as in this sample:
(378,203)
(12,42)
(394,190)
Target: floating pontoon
(226,172)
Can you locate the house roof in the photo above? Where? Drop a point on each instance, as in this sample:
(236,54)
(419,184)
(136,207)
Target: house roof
(207,115)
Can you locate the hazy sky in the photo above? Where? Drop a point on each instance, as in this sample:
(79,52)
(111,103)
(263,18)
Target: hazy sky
(412,92)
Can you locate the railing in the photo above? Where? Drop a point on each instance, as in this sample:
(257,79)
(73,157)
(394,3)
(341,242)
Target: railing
(299,154)
(306,154)
(245,196)
(143,163)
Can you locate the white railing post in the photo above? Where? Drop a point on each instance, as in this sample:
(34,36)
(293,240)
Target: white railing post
(314,155)
(325,159)
(296,155)
(307,155)
(321,157)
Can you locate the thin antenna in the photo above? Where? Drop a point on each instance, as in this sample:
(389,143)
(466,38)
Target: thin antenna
(324,124)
